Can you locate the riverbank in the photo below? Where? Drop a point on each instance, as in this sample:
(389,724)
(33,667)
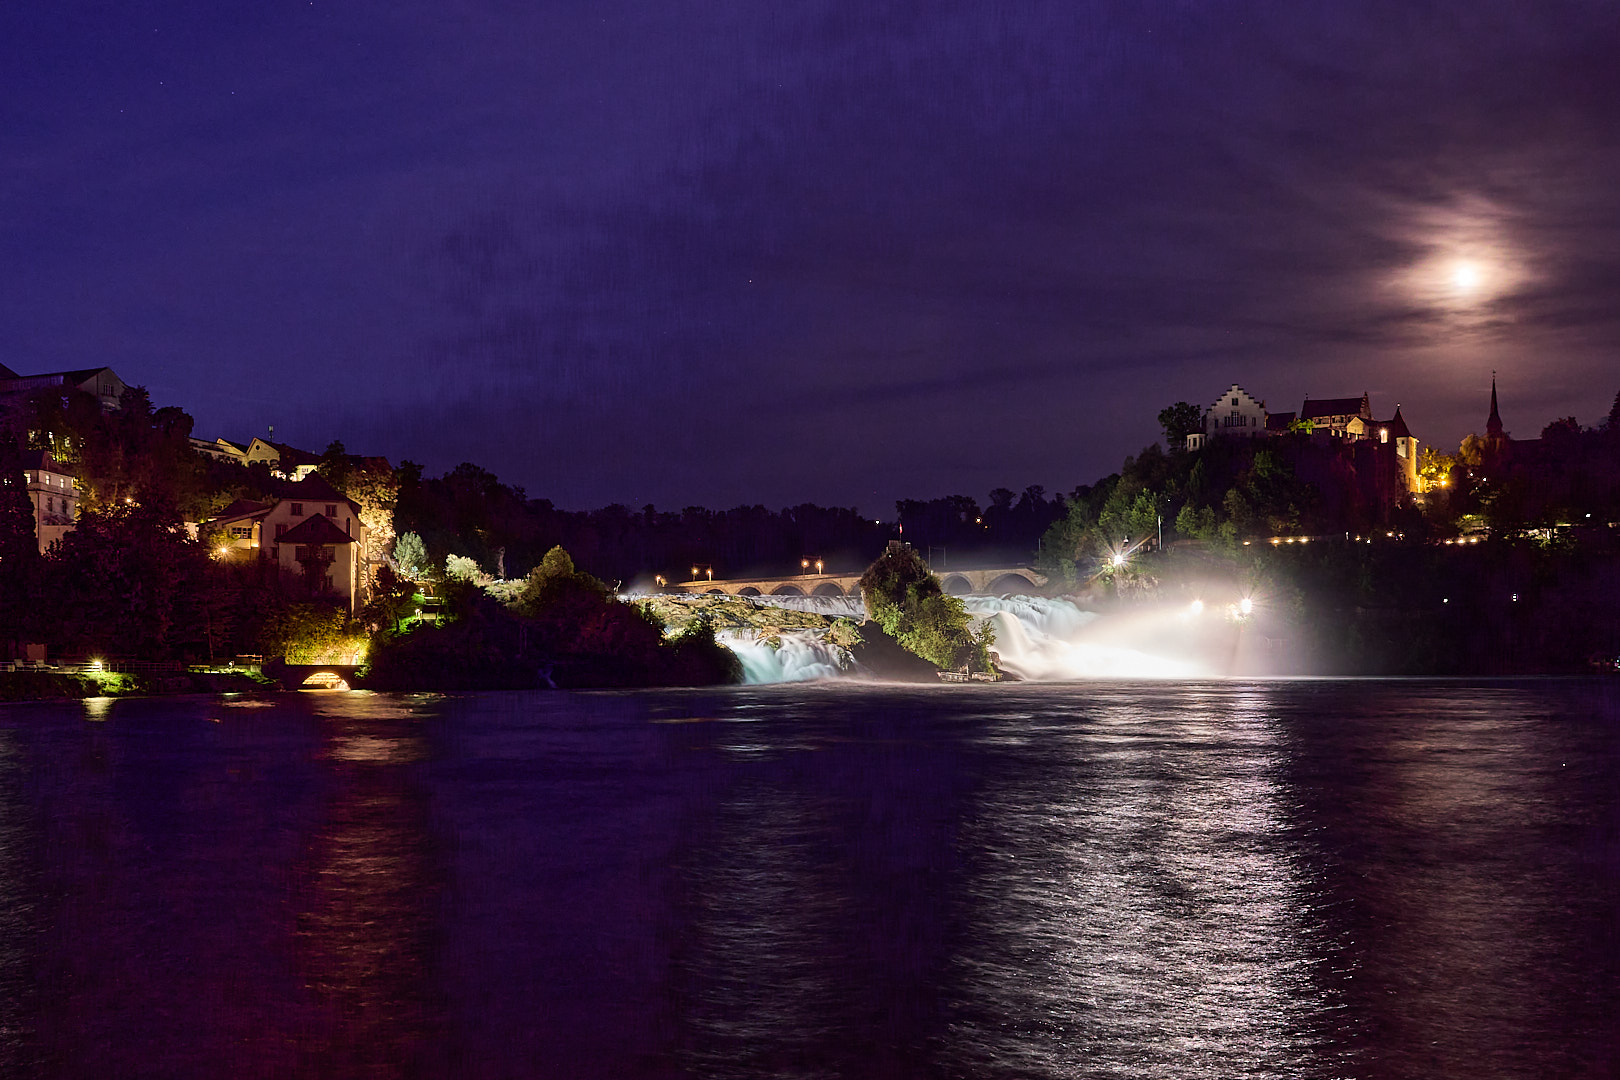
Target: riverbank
(44,684)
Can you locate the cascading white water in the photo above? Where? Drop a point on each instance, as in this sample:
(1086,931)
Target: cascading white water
(1040,639)
(801,656)
(1037,639)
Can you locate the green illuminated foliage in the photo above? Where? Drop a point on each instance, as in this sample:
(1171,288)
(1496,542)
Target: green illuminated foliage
(903,596)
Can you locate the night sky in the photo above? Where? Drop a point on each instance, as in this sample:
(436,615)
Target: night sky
(807,251)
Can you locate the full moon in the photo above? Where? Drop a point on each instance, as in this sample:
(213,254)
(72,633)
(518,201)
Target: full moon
(1465,277)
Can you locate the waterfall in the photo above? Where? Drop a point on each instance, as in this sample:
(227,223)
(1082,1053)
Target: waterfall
(799,656)
(1037,639)
(1040,639)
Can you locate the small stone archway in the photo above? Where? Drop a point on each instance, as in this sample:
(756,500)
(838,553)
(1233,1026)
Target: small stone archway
(714,592)
(828,588)
(1011,583)
(324,680)
(747,590)
(956,585)
(787,590)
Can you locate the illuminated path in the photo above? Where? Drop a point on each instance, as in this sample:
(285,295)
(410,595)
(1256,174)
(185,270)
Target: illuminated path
(992,582)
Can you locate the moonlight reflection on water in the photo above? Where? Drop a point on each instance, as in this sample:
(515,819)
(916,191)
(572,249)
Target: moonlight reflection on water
(1353,878)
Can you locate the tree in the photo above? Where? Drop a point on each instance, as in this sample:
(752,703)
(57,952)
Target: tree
(19,551)
(904,597)
(410,555)
(334,466)
(461,568)
(391,599)
(119,581)
(1434,467)
(1180,420)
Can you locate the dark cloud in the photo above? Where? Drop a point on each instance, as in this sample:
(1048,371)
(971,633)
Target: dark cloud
(841,252)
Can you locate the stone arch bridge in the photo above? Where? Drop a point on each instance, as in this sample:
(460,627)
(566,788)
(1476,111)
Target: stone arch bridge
(300,676)
(996,581)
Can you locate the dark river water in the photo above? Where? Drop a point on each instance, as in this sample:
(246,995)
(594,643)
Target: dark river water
(1312,879)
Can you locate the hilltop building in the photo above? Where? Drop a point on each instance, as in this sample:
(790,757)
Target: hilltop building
(103,383)
(1340,417)
(54,491)
(1380,455)
(309,537)
(1234,412)
(285,461)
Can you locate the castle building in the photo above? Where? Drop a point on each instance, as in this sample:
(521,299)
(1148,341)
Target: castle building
(1382,453)
(1235,412)
(1342,417)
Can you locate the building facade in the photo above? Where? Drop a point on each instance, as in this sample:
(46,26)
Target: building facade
(54,491)
(1235,412)
(310,538)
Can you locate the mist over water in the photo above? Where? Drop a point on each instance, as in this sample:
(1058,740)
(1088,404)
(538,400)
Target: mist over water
(1038,639)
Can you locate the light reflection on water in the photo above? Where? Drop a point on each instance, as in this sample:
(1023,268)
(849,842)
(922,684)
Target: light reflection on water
(1181,880)
(1153,918)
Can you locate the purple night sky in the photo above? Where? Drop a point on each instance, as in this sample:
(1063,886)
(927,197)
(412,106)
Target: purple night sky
(810,251)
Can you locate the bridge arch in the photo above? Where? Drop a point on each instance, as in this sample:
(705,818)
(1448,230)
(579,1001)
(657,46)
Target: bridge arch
(1011,583)
(956,585)
(787,590)
(747,590)
(828,588)
(324,680)
(714,592)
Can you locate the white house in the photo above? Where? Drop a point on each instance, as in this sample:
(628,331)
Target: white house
(310,534)
(1235,412)
(55,495)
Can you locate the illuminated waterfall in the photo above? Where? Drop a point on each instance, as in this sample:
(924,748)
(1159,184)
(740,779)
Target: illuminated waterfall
(801,656)
(1037,639)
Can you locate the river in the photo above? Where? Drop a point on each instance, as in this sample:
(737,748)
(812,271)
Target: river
(1111,879)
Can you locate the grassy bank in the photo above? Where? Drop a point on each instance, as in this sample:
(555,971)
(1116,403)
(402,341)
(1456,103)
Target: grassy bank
(68,685)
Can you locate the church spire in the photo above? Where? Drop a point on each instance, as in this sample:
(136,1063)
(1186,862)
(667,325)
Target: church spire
(1493,426)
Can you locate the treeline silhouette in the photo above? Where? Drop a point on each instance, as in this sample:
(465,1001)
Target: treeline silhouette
(469,512)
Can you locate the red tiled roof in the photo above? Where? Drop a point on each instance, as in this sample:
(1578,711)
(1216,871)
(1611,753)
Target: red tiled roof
(243,508)
(1317,408)
(314,488)
(42,461)
(1397,426)
(1279,421)
(317,529)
